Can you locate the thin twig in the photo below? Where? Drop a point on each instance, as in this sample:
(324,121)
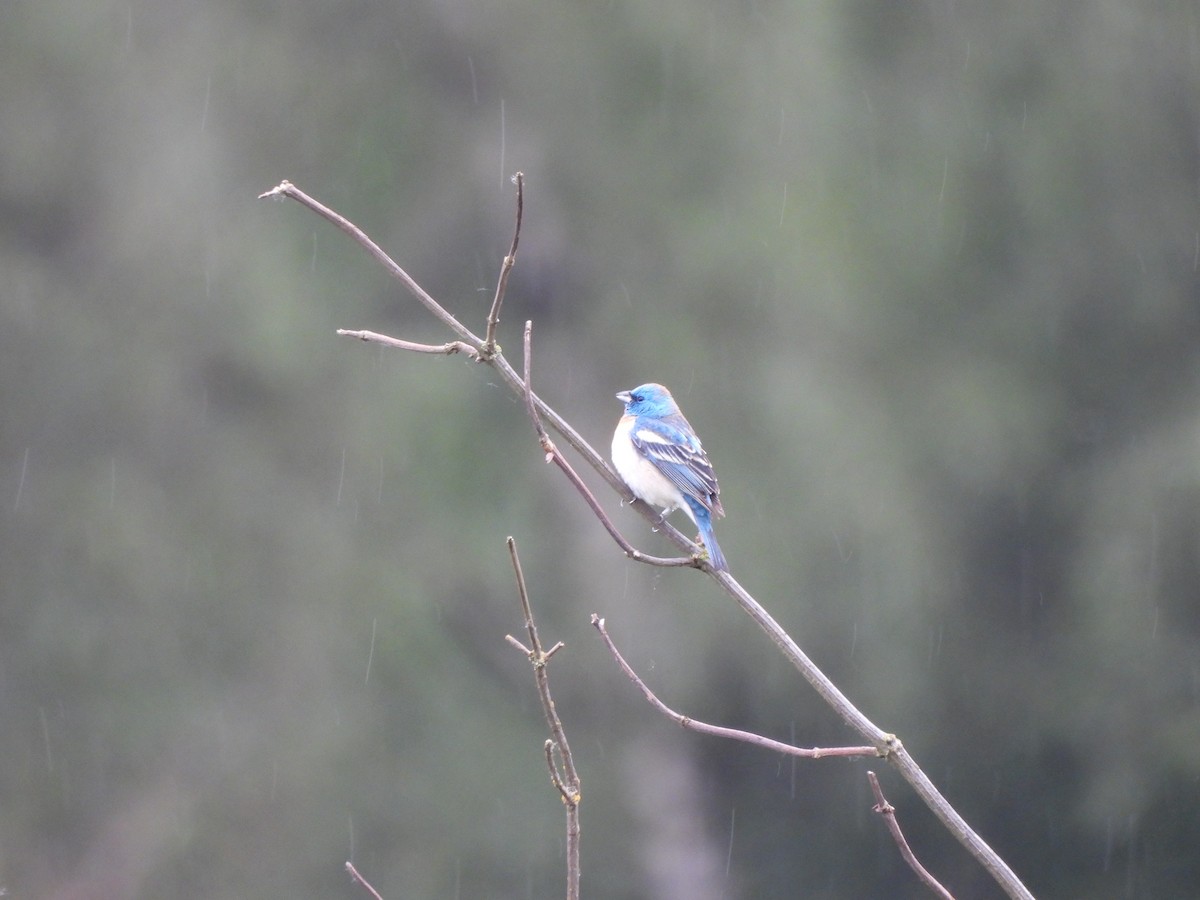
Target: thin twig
(489,341)
(553,455)
(287,189)
(569,797)
(366,884)
(887,744)
(443,349)
(719,730)
(559,760)
(888,812)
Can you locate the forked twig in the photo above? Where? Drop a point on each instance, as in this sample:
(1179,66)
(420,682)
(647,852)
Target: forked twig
(287,189)
(559,760)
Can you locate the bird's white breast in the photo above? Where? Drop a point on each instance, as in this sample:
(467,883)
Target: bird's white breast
(642,476)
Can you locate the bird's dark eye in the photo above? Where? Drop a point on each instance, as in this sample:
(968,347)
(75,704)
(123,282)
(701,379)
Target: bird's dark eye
(638,398)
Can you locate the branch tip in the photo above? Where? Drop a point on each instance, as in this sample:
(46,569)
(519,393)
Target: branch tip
(512,640)
(278,192)
(355,876)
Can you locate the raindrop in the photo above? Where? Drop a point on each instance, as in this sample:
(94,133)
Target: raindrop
(371,652)
(21,480)
(341,478)
(729,852)
(204,108)
(935,643)
(46,739)
(1108,844)
(1131,829)
(503,165)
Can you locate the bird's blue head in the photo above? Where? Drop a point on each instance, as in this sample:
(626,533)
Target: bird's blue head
(648,400)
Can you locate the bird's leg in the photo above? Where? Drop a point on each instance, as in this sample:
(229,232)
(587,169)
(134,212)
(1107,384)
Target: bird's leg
(662,519)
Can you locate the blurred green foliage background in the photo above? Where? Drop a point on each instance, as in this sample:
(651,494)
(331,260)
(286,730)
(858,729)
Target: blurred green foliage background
(923,276)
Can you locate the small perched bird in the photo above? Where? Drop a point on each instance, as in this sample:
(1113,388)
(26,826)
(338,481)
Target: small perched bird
(659,456)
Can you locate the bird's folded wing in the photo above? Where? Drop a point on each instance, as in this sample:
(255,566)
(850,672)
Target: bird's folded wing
(682,461)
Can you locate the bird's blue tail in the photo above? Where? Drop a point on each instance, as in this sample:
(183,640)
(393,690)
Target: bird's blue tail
(704,523)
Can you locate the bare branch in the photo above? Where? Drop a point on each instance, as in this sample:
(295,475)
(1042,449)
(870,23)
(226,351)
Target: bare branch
(718,730)
(887,744)
(561,764)
(489,342)
(888,812)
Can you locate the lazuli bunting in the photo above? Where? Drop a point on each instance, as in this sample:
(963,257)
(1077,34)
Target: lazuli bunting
(659,456)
